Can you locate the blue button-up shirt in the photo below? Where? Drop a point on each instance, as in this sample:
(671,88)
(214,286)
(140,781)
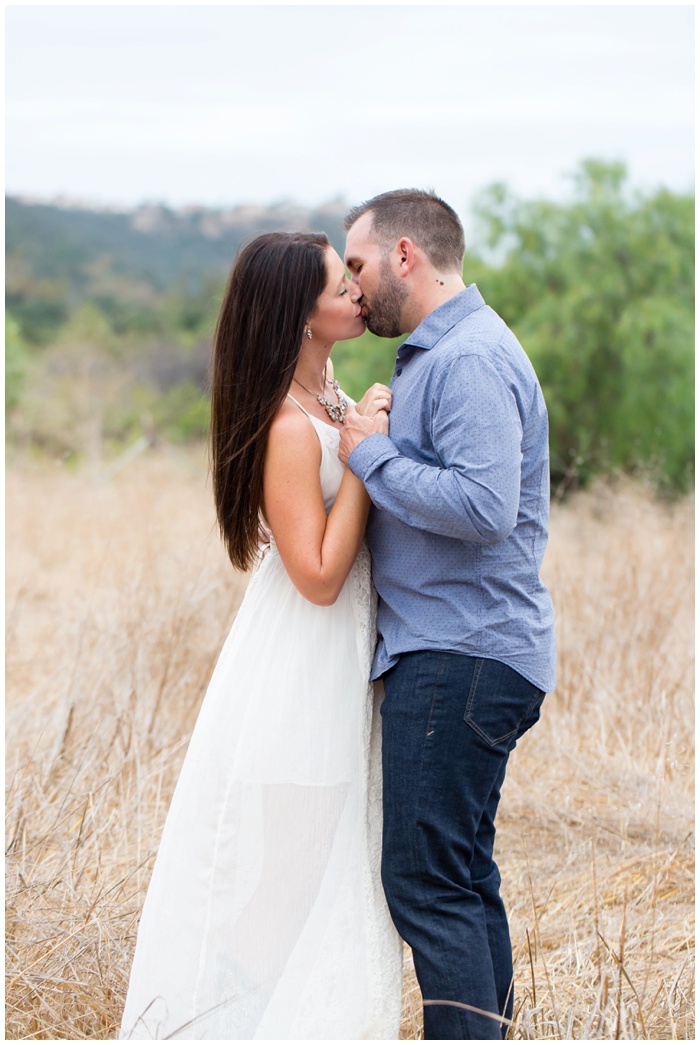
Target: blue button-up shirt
(460,492)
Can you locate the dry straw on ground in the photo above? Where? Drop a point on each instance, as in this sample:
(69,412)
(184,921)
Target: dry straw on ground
(119,596)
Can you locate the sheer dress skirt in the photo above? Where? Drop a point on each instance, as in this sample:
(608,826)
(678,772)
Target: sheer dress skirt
(265,916)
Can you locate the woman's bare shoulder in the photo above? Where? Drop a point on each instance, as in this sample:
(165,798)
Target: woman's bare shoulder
(291,429)
(292,460)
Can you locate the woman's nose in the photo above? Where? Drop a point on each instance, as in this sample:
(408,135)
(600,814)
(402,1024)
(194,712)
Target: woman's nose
(355,292)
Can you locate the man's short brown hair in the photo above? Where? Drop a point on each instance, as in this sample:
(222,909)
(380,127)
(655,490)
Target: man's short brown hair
(420,215)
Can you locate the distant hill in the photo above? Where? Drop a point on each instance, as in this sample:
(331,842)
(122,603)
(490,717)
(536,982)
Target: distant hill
(58,254)
(154,243)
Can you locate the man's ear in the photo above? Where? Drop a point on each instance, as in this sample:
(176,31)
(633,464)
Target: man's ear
(407,256)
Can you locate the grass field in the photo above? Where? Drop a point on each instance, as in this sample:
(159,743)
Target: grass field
(119,596)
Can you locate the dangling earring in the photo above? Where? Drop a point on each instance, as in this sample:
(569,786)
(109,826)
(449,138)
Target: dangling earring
(308,333)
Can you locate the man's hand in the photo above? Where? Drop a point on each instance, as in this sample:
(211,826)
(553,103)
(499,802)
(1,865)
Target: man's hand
(357,427)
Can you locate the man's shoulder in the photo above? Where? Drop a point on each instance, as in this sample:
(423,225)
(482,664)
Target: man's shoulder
(481,333)
(484,340)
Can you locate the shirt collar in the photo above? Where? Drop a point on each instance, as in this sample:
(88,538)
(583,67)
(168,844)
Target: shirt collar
(434,326)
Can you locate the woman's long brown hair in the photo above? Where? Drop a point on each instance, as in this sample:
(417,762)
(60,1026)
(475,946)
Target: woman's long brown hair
(272,291)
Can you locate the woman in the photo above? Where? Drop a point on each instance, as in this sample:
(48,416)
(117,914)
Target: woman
(265,917)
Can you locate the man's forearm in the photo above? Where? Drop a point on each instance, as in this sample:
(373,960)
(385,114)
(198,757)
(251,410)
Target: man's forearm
(469,505)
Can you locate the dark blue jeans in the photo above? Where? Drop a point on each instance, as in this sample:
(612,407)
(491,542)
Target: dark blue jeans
(449,723)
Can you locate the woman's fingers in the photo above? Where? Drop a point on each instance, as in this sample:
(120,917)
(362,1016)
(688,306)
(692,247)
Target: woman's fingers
(383,422)
(378,397)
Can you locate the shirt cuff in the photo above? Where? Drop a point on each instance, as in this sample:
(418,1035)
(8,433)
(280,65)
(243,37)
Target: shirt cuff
(368,454)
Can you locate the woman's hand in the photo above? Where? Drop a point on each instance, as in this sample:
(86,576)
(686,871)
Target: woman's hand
(376,398)
(381,420)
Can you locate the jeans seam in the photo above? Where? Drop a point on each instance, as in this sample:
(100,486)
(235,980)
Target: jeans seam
(437,677)
(475,683)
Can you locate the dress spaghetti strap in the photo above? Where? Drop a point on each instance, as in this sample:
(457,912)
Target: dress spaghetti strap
(290,396)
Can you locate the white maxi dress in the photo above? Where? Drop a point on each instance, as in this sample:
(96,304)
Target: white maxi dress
(265,916)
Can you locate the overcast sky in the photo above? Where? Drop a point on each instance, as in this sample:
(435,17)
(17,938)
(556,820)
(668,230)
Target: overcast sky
(221,105)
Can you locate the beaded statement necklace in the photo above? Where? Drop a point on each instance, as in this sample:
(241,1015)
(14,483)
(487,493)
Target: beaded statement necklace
(336,411)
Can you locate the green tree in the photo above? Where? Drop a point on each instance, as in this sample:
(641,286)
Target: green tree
(601,293)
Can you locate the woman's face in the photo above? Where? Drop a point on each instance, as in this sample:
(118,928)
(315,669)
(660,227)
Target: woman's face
(337,315)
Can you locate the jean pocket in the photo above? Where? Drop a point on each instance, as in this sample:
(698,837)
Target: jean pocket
(502,705)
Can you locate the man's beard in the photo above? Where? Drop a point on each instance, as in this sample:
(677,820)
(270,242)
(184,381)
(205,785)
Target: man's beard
(383,318)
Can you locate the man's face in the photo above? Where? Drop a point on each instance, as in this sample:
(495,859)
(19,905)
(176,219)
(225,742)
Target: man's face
(383,292)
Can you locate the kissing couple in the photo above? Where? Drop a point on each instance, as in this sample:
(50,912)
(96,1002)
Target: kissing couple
(340,789)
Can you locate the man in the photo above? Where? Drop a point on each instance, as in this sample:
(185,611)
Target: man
(460,492)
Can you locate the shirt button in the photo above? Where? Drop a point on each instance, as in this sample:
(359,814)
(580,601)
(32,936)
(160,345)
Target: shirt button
(398,370)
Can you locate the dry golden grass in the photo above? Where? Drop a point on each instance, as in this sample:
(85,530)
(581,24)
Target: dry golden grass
(119,596)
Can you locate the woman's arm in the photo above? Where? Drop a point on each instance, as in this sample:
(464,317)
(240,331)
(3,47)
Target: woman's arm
(317,550)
